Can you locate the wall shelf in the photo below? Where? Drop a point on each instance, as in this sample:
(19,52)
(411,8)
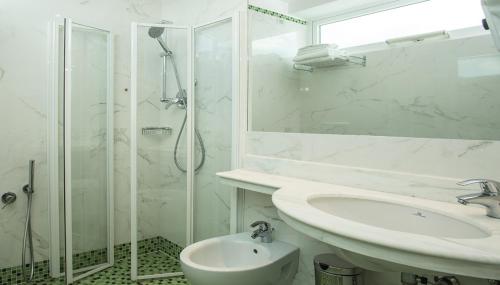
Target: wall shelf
(336,62)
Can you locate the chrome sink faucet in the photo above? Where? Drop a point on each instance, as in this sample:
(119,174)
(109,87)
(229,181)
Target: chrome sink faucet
(264,231)
(489,197)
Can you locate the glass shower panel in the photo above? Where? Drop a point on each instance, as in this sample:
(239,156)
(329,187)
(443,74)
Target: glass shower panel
(213,68)
(89,139)
(161,195)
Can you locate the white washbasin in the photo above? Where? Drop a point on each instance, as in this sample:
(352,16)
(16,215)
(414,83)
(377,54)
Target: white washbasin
(397,217)
(387,232)
(238,259)
(382,231)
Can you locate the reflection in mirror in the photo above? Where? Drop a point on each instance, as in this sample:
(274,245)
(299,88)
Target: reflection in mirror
(438,80)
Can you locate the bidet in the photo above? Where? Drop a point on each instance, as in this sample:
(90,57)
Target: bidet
(222,260)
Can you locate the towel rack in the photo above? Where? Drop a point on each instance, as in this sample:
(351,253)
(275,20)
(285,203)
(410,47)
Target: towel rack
(356,60)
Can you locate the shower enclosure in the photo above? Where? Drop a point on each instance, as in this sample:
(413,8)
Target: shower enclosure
(59,112)
(182,97)
(81,151)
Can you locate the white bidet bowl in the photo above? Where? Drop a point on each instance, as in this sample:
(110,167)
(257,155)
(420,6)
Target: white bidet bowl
(238,259)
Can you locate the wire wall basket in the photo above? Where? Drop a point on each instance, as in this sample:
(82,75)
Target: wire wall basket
(156,131)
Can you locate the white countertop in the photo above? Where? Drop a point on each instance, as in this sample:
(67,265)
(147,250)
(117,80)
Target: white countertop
(479,257)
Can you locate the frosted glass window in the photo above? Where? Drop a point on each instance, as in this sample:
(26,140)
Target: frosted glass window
(425,17)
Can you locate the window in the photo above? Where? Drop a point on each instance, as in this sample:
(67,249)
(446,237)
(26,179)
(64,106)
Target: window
(425,17)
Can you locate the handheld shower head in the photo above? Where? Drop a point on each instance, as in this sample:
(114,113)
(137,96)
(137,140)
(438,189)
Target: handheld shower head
(156,32)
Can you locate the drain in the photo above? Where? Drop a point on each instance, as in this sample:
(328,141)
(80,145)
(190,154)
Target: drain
(255,251)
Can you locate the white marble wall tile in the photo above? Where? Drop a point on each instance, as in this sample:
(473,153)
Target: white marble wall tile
(427,168)
(455,159)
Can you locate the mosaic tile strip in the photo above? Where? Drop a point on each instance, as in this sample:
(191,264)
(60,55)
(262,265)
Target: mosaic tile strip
(13,275)
(277,15)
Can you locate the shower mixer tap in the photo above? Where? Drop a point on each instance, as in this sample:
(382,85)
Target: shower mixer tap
(8,198)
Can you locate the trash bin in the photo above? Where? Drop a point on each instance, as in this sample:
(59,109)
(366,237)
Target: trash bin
(329,269)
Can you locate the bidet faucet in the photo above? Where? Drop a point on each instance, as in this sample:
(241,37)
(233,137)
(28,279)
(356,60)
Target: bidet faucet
(264,231)
(489,197)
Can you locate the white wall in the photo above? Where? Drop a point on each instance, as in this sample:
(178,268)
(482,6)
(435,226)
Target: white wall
(197,12)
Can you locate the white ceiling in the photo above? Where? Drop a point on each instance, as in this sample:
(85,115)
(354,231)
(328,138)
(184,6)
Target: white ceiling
(319,9)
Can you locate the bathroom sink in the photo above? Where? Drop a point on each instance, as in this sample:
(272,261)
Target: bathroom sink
(382,231)
(396,217)
(388,232)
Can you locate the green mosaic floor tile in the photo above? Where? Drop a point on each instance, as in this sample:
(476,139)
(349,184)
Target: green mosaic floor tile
(119,274)
(157,262)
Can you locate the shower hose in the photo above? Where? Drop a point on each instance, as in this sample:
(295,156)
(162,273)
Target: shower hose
(200,140)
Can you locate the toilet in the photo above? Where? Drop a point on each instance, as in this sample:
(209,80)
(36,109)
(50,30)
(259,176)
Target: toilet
(239,259)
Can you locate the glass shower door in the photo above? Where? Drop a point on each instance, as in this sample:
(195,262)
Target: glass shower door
(88,150)
(214,75)
(160,93)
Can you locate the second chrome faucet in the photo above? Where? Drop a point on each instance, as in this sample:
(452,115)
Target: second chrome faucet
(264,231)
(489,197)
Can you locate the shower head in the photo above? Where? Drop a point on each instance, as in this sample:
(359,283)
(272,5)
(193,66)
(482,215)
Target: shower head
(156,32)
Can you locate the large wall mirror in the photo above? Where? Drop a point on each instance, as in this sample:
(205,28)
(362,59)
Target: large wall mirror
(384,73)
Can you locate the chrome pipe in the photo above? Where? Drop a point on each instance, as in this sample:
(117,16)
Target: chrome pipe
(31,172)
(164,78)
(28,234)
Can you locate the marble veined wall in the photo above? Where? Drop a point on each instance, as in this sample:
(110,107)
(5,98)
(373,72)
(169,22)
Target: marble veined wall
(23,107)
